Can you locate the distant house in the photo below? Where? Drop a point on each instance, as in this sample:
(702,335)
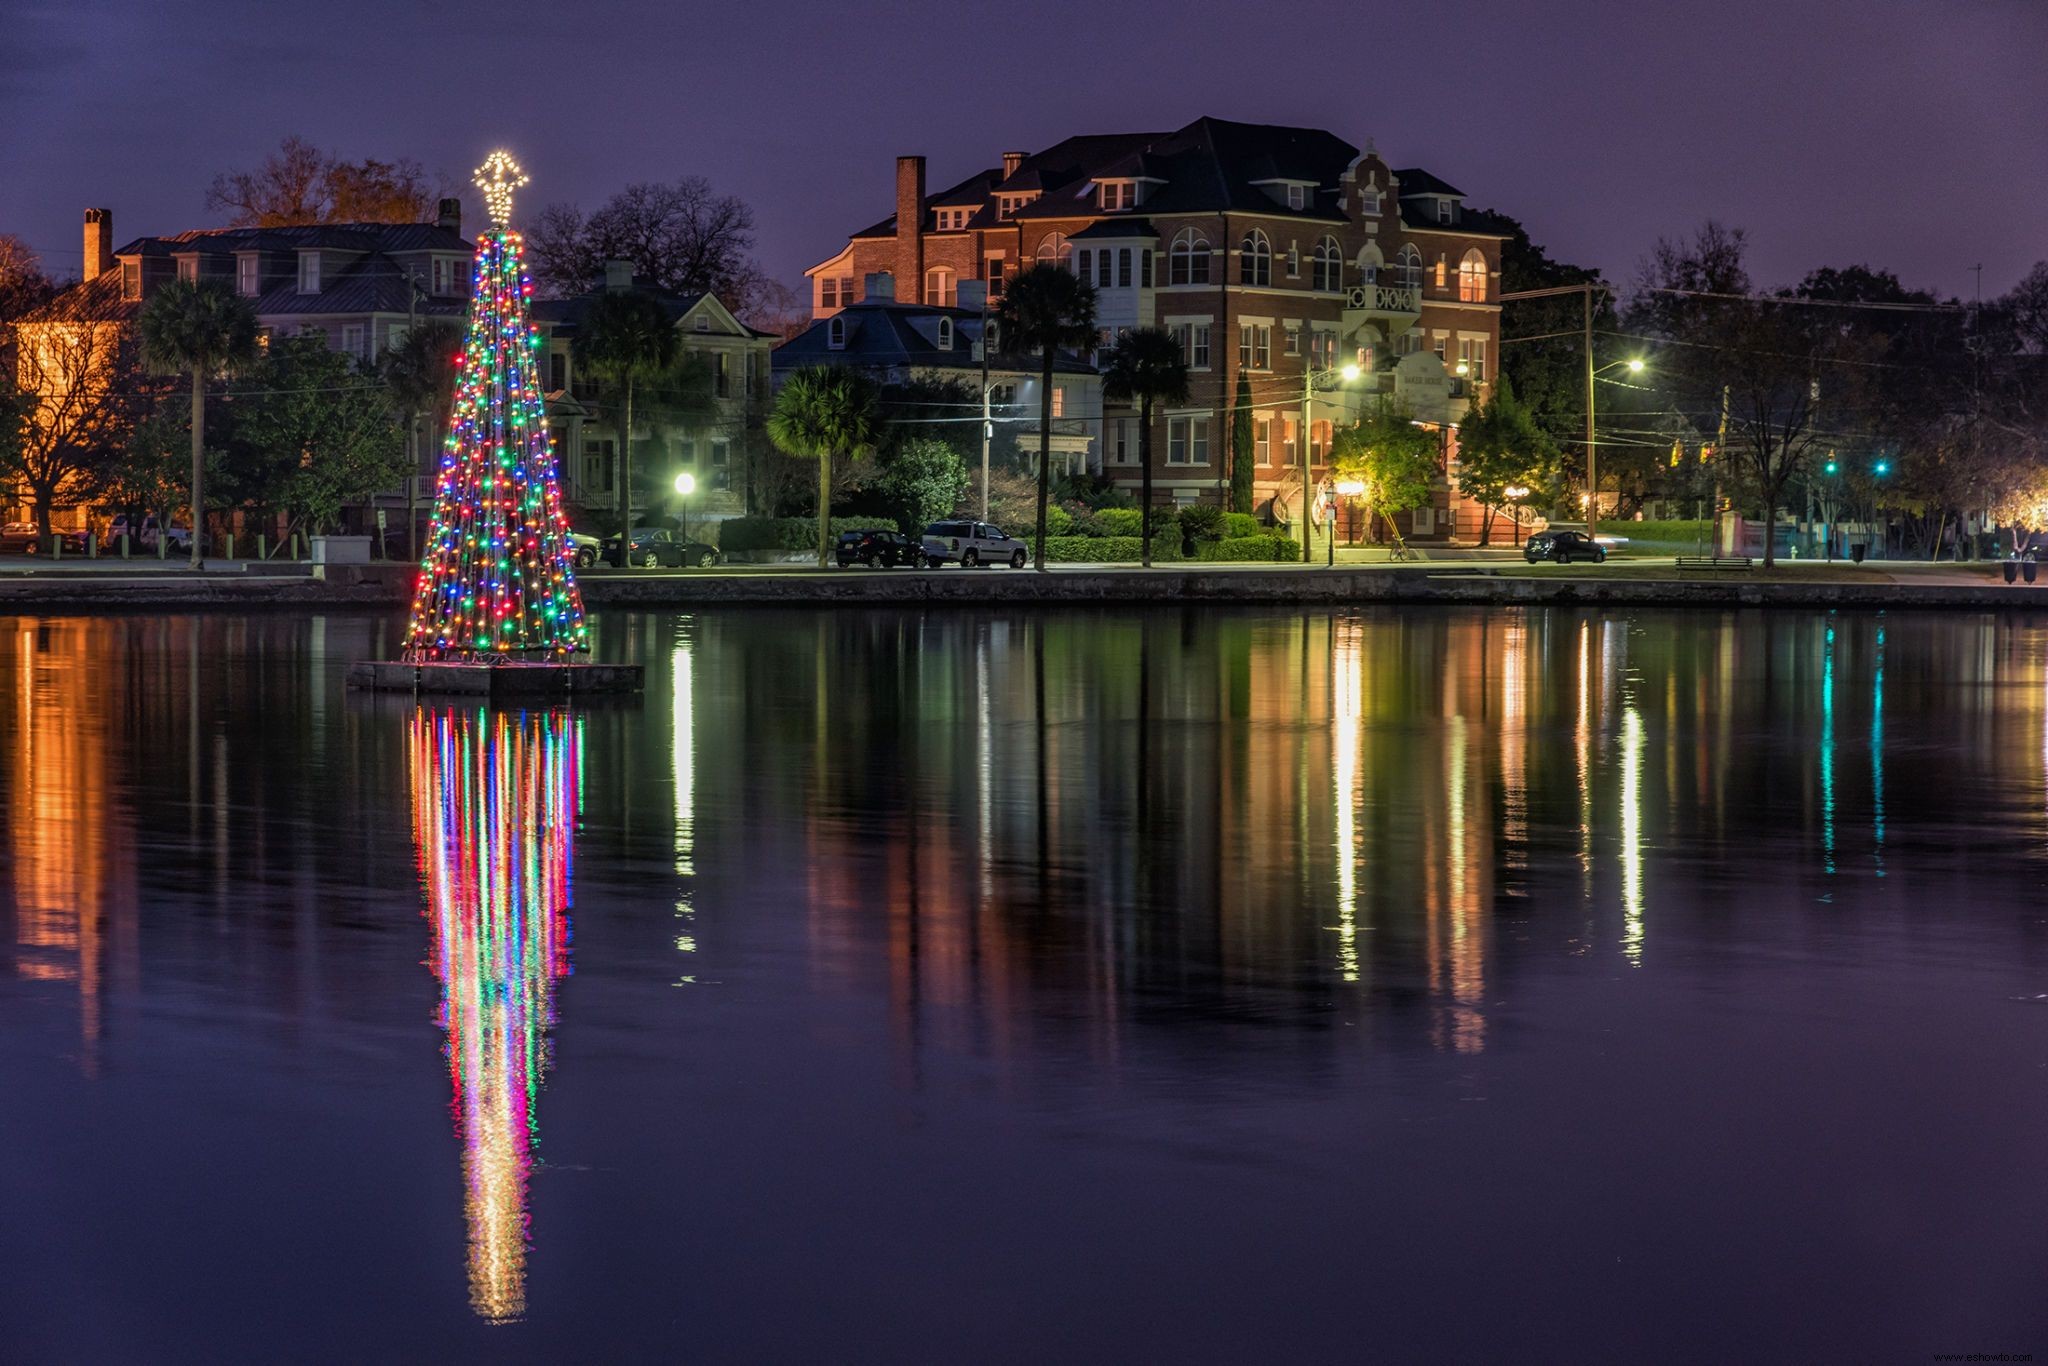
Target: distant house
(897,342)
(719,450)
(359,286)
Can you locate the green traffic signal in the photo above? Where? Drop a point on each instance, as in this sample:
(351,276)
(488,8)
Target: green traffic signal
(1882,468)
(1832,467)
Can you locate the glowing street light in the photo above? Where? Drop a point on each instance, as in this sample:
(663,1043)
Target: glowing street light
(686,484)
(1635,365)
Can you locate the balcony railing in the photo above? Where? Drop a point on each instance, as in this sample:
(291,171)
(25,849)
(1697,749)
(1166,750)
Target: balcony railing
(1378,298)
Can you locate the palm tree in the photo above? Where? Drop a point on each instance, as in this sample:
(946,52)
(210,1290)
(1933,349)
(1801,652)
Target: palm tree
(202,327)
(420,372)
(1146,365)
(626,336)
(820,412)
(1046,308)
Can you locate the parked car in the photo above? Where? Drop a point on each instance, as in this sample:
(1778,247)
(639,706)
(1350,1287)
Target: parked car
(879,548)
(19,538)
(972,544)
(584,549)
(1563,547)
(651,546)
(144,533)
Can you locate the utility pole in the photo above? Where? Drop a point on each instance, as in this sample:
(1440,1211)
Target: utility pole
(1592,457)
(1308,390)
(986,423)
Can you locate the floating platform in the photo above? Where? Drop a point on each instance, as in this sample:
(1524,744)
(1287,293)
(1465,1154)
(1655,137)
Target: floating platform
(505,681)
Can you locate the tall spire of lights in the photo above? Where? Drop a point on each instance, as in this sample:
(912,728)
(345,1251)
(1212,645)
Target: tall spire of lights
(497,582)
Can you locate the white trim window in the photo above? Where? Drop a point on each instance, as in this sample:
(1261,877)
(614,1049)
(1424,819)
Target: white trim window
(1194,344)
(1370,200)
(1326,270)
(1472,278)
(1443,211)
(992,268)
(1188,261)
(1472,355)
(1187,440)
(1297,196)
(1255,259)
(1322,349)
(1118,194)
(1054,249)
(945,334)
(1262,439)
(352,340)
(248,275)
(828,292)
(940,291)
(1408,267)
(1255,346)
(835,333)
(309,272)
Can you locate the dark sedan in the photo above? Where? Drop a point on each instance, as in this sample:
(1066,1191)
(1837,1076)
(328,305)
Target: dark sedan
(1563,547)
(19,538)
(879,548)
(651,546)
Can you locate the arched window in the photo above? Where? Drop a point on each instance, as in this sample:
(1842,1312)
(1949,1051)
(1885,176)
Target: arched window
(940,290)
(1054,249)
(945,334)
(1188,264)
(1326,271)
(1369,199)
(1255,259)
(991,338)
(1369,264)
(1408,268)
(835,333)
(1472,278)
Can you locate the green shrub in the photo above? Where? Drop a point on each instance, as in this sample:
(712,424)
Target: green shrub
(1273,549)
(1106,550)
(1240,524)
(1669,533)
(1118,521)
(789,534)
(1058,521)
(1201,522)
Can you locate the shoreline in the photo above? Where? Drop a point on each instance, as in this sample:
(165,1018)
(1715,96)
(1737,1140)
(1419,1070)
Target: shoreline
(378,588)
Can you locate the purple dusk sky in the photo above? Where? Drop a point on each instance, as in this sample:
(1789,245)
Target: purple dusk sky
(1906,134)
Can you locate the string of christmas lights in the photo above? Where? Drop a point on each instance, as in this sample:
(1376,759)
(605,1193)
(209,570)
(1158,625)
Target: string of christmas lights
(497,583)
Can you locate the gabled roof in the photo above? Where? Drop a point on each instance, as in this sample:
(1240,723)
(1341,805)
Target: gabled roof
(564,316)
(1415,181)
(884,334)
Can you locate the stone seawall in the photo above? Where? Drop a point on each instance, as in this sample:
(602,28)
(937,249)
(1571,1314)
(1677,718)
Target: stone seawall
(377,588)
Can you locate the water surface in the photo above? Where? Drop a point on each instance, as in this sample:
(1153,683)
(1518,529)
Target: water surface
(1032,986)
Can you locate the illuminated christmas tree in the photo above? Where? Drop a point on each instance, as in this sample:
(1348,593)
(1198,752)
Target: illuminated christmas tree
(497,583)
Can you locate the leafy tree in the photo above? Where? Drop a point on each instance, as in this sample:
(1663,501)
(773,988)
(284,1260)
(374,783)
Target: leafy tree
(624,338)
(1243,448)
(146,474)
(682,237)
(1147,366)
(24,287)
(313,433)
(421,372)
(1500,447)
(299,183)
(201,328)
(70,413)
(826,413)
(1047,308)
(1548,370)
(925,480)
(1393,458)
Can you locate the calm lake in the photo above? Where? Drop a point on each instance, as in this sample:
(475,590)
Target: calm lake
(1204,985)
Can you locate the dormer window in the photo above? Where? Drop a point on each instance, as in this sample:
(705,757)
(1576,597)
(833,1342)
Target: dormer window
(188,268)
(131,280)
(953,220)
(1443,211)
(945,334)
(1297,196)
(309,272)
(248,275)
(1008,204)
(1118,194)
(835,334)
(703,322)
(1370,200)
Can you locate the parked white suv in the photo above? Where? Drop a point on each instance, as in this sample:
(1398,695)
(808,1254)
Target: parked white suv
(972,544)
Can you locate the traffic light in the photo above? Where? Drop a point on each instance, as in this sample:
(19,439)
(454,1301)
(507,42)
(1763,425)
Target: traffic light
(1881,468)
(1832,467)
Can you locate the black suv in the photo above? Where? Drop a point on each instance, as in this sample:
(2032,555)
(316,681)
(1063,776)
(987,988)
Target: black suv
(878,548)
(1563,547)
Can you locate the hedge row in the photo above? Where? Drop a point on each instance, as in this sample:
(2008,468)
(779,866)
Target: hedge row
(1680,532)
(1276,549)
(1108,549)
(785,533)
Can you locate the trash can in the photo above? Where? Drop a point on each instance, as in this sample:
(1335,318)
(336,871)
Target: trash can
(2012,571)
(2028,569)
(1856,553)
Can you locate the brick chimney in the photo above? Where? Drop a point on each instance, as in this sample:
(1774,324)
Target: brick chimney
(1011,161)
(99,242)
(451,216)
(910,225)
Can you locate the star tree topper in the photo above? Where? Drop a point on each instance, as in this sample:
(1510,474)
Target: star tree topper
(498,177)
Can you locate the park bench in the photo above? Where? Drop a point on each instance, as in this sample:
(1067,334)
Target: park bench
(1693,564)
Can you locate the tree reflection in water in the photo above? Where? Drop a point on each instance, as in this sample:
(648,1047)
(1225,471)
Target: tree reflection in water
(494,811)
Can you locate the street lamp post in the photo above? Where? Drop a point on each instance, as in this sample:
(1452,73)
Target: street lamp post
(1515,494)
(1310,378)
(1343,488)
(686,484)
